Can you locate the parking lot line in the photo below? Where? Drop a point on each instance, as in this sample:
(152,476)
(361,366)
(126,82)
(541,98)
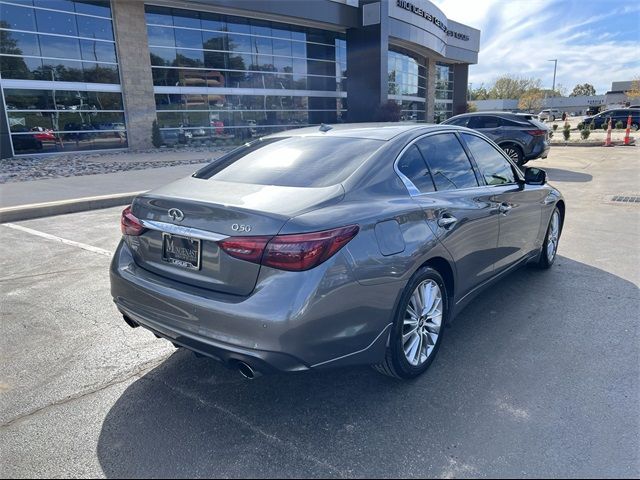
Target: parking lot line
(48,236)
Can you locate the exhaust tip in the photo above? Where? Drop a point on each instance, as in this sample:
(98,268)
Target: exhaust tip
(247,371)
(130,322)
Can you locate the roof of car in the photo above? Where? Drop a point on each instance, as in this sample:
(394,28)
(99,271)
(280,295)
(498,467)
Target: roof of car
(374,131)
(475,114)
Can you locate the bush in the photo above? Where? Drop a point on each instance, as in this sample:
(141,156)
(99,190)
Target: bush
(592,126)
(156,136)
(619,125)
(605,125)
(555,127)
(566,131)
(585,133)
(580,126)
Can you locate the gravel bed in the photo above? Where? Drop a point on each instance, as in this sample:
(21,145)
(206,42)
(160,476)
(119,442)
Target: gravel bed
(24,169)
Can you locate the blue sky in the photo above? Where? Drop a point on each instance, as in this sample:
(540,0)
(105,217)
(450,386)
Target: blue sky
(595,41)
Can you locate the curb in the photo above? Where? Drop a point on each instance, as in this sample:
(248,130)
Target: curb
(48,209)
(591,144)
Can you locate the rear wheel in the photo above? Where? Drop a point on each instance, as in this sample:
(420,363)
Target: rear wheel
(550,246)
(418,326)
(515,153)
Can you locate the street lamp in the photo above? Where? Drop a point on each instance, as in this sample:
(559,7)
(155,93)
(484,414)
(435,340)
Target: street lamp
(555,67)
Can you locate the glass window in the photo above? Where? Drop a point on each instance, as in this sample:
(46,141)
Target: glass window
(212,21)
(239,43)
(56,22)
(98,51)
(450,167)
(94,7)
(161,36)
(60,71)
(412,166)
(158,15)
(460,122)
(91,27)
(60,47)
(186,18)
(188,38)
(20,18)
(495,169)
(16,43)
(20,68)
(483,121)
(296,162)
(214,40)
(66,5)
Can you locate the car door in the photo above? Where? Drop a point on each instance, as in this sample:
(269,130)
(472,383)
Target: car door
(518,206)
(459,211)
(488,125)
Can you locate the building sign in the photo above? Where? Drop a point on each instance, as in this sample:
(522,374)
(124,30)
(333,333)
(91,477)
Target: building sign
(410,7)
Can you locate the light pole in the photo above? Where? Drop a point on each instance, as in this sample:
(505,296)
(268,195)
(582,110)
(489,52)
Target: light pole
(555,67)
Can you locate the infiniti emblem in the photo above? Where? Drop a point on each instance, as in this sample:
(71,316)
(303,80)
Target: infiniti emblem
(176,215)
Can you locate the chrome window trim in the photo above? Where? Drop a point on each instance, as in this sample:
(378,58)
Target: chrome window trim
(182,230)
(412,189)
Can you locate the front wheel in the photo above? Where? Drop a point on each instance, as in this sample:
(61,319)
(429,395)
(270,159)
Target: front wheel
(552,238)
(418,326)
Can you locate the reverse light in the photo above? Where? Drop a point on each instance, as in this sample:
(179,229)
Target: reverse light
(296,252)
(129,224)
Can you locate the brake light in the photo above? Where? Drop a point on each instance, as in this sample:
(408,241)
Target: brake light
(537,133)
(129,224)
(296,252)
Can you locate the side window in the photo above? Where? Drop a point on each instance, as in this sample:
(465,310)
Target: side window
(450,167)
(495,169)
(460,122)
(483,121)
(412,166)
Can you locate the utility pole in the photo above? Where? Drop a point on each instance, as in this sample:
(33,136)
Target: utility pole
(555,67)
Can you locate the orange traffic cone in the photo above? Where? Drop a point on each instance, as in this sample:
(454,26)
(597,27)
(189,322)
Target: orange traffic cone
(627,138)
(608,143)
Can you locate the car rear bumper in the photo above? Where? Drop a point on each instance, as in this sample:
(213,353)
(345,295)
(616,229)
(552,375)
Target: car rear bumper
(292,321)
(539,150)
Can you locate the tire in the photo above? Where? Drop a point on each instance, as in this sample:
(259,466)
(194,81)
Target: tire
(553,118)
(514,152)
(548,253)
(429,328)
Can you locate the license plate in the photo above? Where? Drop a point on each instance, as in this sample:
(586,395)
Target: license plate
(180,251)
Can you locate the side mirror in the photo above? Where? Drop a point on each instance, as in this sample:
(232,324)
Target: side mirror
(535,176)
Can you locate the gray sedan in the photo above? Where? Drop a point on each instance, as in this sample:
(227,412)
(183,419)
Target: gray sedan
(326,247)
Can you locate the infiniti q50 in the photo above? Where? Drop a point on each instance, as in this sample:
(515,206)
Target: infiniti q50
(325,247)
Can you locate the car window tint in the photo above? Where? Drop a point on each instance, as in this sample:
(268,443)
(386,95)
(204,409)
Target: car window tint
(293,161)
(483,121)
(450,167)
(505,122)
(413,166)
(460,122)
(495,169)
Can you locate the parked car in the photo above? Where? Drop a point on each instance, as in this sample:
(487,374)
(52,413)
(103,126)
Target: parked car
(318,248)
(521,136)
(616,115)
(549,114)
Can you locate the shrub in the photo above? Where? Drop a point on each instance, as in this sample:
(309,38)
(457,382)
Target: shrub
(619,125)
(555,127)
(566,131)
(585,133)
(580,126)
(605,125)
(156,136)
(592,126)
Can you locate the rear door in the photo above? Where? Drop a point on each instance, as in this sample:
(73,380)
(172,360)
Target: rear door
(488,125)
(460,208)
(518,206)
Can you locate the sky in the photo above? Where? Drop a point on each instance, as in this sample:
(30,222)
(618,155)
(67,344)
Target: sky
(595,41)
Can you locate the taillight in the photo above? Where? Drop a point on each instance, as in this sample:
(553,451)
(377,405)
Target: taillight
(290,252)
(129,224)
(537,133)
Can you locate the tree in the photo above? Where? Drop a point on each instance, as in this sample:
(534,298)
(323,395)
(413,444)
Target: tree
(512,86)
(479,93)
(586,89)
(635,88)
(531,100)
(471,107)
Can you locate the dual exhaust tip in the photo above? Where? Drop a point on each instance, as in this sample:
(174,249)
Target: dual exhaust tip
(246,370)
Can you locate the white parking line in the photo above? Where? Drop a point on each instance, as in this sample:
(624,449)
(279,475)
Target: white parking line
(84,246)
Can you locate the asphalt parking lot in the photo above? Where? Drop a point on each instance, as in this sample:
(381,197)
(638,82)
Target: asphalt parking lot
(540,376)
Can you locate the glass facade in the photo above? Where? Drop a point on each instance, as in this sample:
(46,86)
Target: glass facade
(408,85)
(444,92)
(226,76)
(60,76)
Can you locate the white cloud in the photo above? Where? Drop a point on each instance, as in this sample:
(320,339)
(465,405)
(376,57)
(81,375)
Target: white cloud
(520,36)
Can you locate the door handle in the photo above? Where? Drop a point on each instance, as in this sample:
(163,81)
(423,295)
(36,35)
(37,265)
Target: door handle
(447,221)
(504,208)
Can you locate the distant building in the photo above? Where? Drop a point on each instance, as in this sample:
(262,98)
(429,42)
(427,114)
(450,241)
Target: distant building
(579,105)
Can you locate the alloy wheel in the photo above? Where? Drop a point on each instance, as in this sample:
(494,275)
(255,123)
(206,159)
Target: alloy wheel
(554,233)
(422,323)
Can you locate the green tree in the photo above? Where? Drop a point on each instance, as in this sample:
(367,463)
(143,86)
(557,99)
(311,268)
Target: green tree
(585,89)
(531,100)
(512,86)
(471,107)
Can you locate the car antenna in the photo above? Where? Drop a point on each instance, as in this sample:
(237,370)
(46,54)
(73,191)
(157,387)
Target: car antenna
(324,127)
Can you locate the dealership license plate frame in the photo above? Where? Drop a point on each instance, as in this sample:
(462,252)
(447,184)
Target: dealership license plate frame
(170,257)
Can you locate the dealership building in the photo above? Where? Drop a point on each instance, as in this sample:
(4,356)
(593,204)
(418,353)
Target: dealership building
(95,75)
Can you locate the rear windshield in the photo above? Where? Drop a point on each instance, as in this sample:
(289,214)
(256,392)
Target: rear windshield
(293,161)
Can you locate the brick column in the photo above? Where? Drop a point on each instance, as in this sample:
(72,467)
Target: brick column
(431,90)
(135,71)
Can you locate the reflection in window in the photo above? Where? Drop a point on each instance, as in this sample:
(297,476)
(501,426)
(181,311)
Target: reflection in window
(407,78)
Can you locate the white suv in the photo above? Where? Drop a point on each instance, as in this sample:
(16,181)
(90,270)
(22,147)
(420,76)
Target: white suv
(549,114)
